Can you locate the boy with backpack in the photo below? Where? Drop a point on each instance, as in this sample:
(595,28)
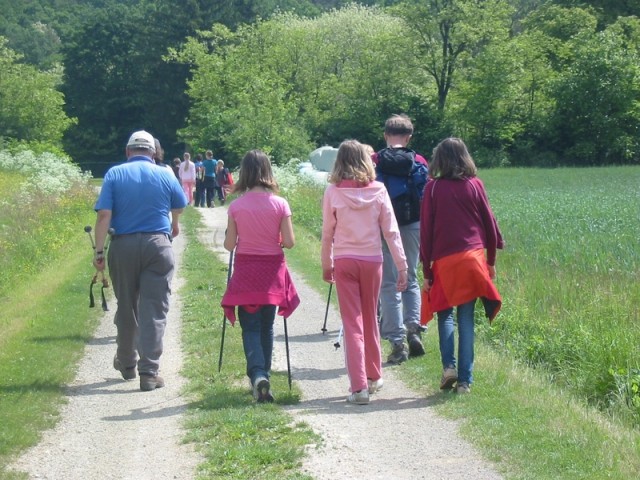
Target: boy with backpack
(404,173)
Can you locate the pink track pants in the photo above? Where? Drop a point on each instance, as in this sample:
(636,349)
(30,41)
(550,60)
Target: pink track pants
(358,287)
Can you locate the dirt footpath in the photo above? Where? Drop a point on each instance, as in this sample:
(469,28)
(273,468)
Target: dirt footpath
(397,436)
(111,430)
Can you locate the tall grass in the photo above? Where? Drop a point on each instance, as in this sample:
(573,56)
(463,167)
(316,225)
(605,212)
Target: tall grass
(45,261)
(42,198)
(569,275)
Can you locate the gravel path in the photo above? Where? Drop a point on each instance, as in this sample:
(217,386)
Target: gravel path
(111,430)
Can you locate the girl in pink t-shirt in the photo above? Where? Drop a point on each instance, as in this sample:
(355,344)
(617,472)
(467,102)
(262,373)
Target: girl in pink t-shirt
(258,228)
(355,210)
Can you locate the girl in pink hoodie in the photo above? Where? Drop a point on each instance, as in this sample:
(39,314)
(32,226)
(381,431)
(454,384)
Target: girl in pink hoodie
(355,210)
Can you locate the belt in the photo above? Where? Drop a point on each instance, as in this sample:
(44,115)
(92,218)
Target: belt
(140,234)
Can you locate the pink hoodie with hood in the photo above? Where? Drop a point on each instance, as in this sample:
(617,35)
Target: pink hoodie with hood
(353,217)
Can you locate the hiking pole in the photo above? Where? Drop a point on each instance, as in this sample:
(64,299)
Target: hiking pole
(224,316)
(326,312)
(99,275)
(286,343)
(337,343)
(105,283)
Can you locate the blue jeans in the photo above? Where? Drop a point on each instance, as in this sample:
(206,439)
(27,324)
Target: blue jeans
(257,340)
(400,309)
(465,340)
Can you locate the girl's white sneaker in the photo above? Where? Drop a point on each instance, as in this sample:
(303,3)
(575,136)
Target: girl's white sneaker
(375,385)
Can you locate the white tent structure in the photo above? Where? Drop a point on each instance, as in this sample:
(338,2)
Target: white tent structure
(323,158)
(320,163)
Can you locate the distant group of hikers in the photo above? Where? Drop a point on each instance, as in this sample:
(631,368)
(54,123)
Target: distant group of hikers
(383,214)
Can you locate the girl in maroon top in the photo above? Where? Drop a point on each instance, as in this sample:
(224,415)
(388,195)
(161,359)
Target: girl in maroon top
(457,226)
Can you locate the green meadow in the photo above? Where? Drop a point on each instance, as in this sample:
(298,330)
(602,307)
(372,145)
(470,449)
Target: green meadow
(569,277)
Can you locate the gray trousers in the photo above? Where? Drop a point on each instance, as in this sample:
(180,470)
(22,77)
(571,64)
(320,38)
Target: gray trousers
(141,267)
(400,310)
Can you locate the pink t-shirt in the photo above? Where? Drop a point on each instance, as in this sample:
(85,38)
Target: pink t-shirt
(258,216)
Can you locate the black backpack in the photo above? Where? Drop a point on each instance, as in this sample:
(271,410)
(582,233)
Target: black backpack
(405,179)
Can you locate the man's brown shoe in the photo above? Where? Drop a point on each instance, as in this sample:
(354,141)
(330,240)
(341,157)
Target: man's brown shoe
(128,373)
(149,382)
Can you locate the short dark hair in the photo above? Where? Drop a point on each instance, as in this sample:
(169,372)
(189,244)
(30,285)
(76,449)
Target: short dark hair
(398,125)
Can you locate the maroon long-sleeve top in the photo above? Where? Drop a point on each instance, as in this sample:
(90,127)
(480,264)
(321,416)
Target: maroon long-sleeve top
(456,217)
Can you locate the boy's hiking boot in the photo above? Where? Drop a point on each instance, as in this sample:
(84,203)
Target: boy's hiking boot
(128,373)
(149,382)
(449,378)
(398,354)
(416,349)
(463,388)
(359,398)
(262,391)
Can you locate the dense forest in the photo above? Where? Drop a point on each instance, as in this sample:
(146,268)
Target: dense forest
(525,82)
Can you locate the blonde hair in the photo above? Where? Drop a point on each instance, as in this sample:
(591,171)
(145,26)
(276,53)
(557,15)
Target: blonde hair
(255,171)
(352,163)
(451,159)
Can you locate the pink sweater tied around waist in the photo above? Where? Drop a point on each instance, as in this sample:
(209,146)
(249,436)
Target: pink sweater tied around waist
(259,280)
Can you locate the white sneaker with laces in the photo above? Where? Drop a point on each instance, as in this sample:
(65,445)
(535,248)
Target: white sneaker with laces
(359,398)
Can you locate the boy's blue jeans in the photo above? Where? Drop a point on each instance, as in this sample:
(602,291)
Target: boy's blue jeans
(446,334)
(257,340)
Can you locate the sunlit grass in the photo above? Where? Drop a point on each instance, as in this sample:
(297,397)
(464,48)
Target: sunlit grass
(569,277)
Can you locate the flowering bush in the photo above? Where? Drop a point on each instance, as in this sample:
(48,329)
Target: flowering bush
(44,199)
(46,173)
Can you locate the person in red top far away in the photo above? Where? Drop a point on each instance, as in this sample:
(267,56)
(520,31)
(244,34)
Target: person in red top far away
(457,225)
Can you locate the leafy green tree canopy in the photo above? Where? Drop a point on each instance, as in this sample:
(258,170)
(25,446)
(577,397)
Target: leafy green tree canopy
(31,107)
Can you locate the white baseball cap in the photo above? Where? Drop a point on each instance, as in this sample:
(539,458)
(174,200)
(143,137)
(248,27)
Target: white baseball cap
(142,139)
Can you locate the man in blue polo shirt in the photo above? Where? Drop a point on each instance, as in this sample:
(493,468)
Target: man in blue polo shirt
(135,200)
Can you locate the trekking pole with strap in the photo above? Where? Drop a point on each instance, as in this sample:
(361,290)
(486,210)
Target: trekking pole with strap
(99,275)
(224,316)
(286,344)
(326,311)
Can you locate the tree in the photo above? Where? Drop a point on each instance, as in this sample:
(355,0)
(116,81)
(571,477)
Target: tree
(597,120)
(31,108)
(117,81)
(285,82)
(447,30)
